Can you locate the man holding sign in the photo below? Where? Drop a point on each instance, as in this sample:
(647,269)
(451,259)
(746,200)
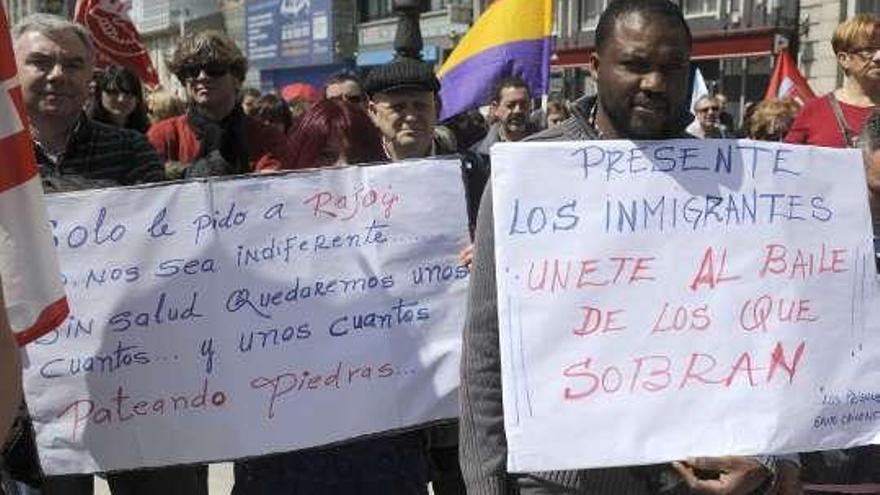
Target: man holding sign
(642,66)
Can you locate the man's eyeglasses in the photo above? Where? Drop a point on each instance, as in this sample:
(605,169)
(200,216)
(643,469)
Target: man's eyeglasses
(191,72)
(706,109)
(865,52)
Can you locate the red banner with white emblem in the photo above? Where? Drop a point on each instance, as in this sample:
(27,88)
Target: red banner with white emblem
(115,37)
(35,300)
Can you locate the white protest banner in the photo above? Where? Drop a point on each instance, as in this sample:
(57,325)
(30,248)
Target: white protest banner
(661,300)
(232,318)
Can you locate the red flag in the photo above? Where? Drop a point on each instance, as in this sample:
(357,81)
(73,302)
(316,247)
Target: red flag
(115,37)
(35,300)
(787,81)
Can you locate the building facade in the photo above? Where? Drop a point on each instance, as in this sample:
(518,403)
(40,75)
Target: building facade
(734,44)
(162,23)
(442,26)
(16,9)
(818,20)
(299,40)
(307,40)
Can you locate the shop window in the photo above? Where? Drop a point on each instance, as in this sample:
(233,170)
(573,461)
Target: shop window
(868,6)
(590,10)
(693,8)
(442,4)
(372,10)
(564,14)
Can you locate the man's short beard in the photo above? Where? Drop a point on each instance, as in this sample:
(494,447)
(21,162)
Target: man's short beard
(623,129)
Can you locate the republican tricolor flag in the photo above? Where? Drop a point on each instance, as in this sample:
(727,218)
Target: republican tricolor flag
(35,300)
(511,38)
(787,81)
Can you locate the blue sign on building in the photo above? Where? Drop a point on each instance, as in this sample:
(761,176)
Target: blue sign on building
(289,33)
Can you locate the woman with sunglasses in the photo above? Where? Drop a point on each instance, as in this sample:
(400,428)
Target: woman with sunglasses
(215,137)
(119,99)
(837,118)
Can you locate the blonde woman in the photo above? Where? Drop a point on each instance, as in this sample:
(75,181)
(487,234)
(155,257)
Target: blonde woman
(837,118)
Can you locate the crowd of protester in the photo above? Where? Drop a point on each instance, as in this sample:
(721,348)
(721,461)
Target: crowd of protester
(103,129)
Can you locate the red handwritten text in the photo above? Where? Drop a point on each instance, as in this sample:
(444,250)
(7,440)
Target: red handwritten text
(681,318)
(125,408)
(708,274)
(347,206)
(659,372)
(596,320)
(304,381)
(780,260)
(756,314)
(560,275)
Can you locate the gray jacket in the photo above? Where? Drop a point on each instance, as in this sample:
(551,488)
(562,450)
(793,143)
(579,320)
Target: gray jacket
(482,443)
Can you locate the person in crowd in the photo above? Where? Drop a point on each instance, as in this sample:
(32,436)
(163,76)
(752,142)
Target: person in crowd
(272,111)
(55,59)
(404,106)
(641,64)
(300,97)
(725,117)
(119,99)
(770,120)
(10,374)
(836,119)
(336,132)
(249,96)
(511,105)
(73,152)
(468,128)
(708,122)
(164,104)
(870,142)
(10,388)
(347,86)
(855,470)
(748,110)
(556,113)
(214,137)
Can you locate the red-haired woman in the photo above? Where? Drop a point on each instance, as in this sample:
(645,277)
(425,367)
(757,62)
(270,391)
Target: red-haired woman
(335,132)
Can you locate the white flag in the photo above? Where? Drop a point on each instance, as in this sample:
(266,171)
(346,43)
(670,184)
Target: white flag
(698,89)
(35,300)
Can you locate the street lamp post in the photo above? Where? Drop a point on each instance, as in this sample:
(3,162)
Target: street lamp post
(182,13)
(408,40)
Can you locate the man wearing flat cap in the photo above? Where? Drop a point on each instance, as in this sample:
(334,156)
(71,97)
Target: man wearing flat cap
(404,106)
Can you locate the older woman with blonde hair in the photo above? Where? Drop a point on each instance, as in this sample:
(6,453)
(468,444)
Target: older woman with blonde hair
(771,119)
(164,104)
(836,119)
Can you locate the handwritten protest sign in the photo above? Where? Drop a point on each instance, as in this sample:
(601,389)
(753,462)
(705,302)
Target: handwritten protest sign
(233,318)
(682,298)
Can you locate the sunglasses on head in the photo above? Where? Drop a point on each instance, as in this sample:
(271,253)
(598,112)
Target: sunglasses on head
(211,70)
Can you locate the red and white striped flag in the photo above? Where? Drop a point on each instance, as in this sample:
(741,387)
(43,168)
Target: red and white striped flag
(35,299)
(787,81)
